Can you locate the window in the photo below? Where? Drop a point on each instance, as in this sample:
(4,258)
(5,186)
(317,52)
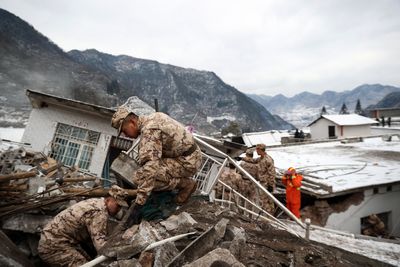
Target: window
(74,146)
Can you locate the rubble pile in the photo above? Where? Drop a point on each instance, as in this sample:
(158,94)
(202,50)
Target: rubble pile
(34,188)
(30,181)
(221,237)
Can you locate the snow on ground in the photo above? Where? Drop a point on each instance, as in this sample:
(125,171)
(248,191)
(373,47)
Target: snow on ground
(382,251)
(343,166)
(12,134)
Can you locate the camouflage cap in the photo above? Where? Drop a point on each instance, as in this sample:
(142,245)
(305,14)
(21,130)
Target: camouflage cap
(249,152)
(261,146)
(119,117)
(119,194)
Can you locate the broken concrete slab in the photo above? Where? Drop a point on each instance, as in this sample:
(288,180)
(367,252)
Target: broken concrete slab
(27,223)
(10,255)
(175,221)
(164,254)
(218,257)
(238,241)
(131,246)
(201,245)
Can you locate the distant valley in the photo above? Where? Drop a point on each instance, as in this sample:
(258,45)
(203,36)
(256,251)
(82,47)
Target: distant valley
(303,108)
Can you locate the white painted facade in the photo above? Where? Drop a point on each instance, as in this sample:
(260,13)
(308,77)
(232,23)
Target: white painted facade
(42,126)
(320,130)
(380,202)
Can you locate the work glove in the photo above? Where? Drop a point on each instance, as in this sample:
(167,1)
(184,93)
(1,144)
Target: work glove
(134,216)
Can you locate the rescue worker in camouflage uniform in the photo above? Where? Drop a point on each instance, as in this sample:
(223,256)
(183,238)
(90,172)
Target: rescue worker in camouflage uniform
(266,175)
(231,178)
(249,164)
(168,155)
(60,240)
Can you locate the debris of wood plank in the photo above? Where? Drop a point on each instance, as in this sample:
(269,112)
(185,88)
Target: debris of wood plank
(99,192)
(18,175)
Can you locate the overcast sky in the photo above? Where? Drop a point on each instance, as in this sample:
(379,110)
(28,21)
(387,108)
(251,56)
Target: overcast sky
(263,47)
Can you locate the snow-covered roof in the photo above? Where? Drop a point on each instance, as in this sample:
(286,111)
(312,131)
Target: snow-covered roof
(269,138)
(342,167)
(347,119)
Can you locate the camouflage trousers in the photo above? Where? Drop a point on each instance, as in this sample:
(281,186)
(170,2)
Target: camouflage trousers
(167,175)
(56,253)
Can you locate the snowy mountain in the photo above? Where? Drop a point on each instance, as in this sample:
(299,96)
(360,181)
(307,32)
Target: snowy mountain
(303,108)
(30,60)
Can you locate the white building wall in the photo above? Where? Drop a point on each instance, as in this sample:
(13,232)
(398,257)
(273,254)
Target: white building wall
(43,122)
(356,131)
(383,201)
(319,130)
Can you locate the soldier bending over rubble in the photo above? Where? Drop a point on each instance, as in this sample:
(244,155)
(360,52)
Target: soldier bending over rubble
(60,240)
(168,155)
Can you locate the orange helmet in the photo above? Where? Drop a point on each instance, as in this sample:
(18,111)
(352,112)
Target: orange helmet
(290,171)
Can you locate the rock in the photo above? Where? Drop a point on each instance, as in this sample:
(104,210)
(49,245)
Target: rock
(218,257)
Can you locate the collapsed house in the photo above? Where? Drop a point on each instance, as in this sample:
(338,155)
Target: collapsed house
(347,181)
(229,230)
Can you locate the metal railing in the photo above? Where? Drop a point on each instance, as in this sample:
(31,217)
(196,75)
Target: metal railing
(206,184)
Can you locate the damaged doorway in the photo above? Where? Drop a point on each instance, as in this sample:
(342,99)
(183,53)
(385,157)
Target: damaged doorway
(117,145)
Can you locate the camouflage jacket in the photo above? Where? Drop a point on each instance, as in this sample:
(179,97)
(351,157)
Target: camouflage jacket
(85,219)
(266,171)
(231,178)
(250,165)
(161,137)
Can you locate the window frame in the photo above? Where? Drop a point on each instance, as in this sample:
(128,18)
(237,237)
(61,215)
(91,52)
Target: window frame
(75,145)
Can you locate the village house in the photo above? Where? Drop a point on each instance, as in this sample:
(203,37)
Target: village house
(340,126)
(76,133)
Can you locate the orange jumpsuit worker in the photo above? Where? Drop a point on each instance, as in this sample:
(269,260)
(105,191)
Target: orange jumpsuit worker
(292,181)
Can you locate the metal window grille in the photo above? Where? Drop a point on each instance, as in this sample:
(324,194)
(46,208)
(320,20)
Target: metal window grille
(74,146)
